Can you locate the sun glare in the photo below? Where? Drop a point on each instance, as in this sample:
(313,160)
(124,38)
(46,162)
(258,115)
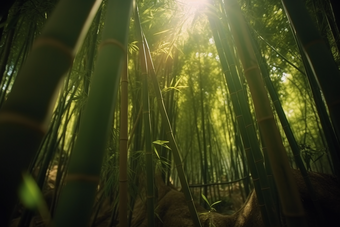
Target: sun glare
(192,13)
(193,3)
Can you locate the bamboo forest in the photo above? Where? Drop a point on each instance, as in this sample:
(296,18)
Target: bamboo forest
(215,113)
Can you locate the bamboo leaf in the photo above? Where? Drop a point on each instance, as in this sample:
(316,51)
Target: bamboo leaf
(215,203)
(205,199)
(161,32)
(29,193)
(162,143)
(156,152)
(32,198)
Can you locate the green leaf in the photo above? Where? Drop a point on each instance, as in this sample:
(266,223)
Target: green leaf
(29,193)
(162,143)
(156,152)
(216,203)
(205,199)
(161,32)
(32,198)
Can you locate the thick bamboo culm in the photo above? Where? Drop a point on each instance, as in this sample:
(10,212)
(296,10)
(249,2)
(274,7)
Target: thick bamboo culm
(25,115)
(291,204)
(77,195)
(245,125)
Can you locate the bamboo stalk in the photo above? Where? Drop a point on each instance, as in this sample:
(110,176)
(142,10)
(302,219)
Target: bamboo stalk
(320,60)
(172,142)
(26,113)
(78,194)
(247,130)
(288,131)
(147,126)
(287,189)
(203,127)
(123,150)
(166,123)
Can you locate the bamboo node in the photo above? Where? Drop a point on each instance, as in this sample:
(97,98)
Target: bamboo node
(248,125)
(238,116)
(22,120)
(255,67)
(265,118)
(112,42)
(256,179)
(82,177)
(52,42)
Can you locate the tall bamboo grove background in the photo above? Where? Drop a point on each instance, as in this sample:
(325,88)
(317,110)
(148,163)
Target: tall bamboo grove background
(100,98)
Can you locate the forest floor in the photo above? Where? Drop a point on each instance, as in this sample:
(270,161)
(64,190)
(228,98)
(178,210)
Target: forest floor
(172,209)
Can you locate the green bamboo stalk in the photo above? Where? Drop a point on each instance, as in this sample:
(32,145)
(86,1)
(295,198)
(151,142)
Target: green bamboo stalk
(89,54)
(6,82)
(247,131)
(205,158)
(320,59)
(20,58)
(148,154)
(123,150)
(13,26)
(213,170)
(326,22)
(287,189)
(135,131)
(5,54)
(78,194)
(289,134)
(330,137)
(50,146)
(334,28)
(200,149)
(68,112)
(328,130)
(147,126)
(172,141)
(25,115)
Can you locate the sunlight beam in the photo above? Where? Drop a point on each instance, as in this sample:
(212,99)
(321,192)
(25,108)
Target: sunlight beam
(193,3)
